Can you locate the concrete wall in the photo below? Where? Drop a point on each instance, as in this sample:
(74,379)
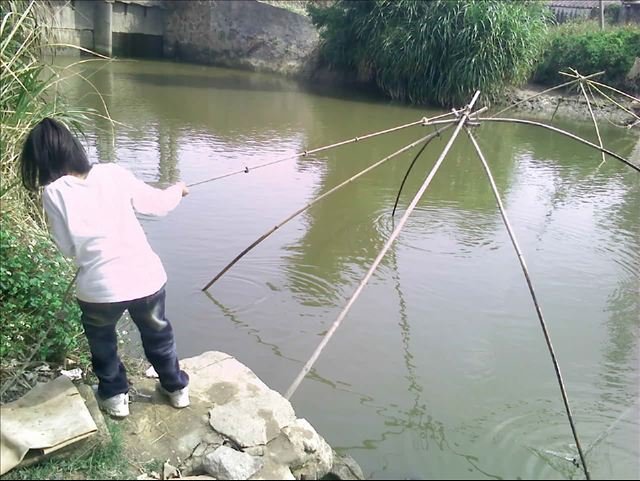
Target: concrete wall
(233,33)
(239,34)
(132,18)
(137,30)
(72,25)
(100,25)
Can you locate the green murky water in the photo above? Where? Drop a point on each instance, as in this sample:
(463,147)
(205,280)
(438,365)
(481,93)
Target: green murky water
(440,370)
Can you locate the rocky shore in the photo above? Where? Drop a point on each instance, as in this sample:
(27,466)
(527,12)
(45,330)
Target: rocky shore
(568,104)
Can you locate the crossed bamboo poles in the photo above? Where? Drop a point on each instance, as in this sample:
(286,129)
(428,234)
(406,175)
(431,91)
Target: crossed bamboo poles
(461,119)
(440,120)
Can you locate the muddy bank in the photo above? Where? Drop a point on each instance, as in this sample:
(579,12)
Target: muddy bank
(568,104)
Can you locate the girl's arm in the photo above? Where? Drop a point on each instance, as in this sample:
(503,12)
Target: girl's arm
(151,201)
(58,226)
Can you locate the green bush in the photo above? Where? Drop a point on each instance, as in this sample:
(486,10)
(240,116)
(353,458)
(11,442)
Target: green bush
(435,51)
(33,275)
(33,281)
(588,49)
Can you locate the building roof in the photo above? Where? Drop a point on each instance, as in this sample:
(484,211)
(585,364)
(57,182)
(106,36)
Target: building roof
(582,4)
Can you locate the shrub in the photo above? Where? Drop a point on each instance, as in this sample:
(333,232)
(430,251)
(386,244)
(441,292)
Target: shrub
(588,49)
(33,275)
(434,51)
(33,281)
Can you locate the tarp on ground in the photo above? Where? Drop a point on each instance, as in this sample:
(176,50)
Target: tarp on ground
(49,417)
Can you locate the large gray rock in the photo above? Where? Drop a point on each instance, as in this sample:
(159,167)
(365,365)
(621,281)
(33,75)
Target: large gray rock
(252,418)
(303,450)
(243,408)
(235,428)
(227,463)
(273,469)
(345,468)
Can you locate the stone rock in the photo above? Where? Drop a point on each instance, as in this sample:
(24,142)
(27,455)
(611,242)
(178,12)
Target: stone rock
(255,451)
(156,431)
(227,463)
(169,471)
(248,34)
(273,470)
(235,428)
(301,448)
(254,419)
(244,409)
(345,468)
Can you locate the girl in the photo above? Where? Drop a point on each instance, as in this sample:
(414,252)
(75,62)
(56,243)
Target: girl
(90,212)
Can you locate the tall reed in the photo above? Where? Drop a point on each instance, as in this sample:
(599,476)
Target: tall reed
(29,92)
(434,51)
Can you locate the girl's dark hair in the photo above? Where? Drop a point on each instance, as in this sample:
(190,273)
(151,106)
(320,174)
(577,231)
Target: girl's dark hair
(49,152)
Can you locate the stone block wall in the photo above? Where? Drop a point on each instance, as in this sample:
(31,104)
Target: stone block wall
(239,34)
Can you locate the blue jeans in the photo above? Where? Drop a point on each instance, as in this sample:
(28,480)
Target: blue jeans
(99,321)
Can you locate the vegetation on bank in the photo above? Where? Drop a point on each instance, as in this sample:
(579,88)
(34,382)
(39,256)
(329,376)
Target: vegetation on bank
(33,275)
(439,52)
(588,49)
(433,52)
(33,282)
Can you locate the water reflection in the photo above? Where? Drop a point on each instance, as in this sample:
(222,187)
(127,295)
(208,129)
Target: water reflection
(233,317)
(168,141)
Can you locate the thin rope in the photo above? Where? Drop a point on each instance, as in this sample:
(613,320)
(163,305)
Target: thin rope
(527,276)
(245,170)
(392,238)
(406,175)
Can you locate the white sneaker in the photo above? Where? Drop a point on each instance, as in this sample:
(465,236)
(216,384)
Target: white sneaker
(178,399)
(116,406)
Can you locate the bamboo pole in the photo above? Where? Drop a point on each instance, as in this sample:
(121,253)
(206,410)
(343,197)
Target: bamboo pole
(544,92)
(595,85)
(313,202)
(613,89)
(423,121)
(376,262)
(536,304)
(563,132)
(593,117)
(633,114)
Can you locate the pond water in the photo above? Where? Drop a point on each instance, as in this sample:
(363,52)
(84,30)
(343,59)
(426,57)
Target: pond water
(440,370)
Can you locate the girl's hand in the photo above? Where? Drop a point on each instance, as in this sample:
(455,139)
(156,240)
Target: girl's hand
(185,189)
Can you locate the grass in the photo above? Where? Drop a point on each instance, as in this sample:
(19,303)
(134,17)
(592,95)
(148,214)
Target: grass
(101,463)
(33,275)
